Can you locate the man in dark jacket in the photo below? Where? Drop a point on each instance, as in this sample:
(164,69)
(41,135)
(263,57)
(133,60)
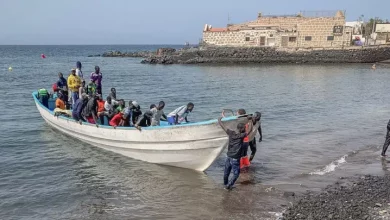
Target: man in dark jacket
(234,153)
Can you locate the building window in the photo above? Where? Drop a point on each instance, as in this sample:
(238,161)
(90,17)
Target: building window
(308,38)
(271,35)
(247,38)
(330,38)
(268,28)
(292,39)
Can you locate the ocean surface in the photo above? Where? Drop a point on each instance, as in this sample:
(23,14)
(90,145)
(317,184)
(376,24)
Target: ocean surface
(320,123)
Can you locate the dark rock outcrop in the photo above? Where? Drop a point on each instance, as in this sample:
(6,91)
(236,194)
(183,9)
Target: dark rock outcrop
(143,54)
(363,198)
(269,55)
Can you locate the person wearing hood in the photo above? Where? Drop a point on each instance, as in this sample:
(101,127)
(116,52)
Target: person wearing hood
(79,73)
(97,78)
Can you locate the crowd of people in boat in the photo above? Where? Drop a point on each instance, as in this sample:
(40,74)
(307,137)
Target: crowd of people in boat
(84,103)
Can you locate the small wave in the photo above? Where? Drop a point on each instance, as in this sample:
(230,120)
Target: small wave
(330,167)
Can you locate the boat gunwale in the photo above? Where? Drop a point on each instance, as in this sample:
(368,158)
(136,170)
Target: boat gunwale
(202,123)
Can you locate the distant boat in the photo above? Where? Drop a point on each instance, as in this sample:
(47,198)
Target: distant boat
(193,146)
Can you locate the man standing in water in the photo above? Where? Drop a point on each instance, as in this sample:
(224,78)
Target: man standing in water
(252,144)
(234,153)
(387,141)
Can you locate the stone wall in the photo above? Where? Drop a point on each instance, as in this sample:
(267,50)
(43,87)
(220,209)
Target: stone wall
(286,32)
(319,30)
(239,38)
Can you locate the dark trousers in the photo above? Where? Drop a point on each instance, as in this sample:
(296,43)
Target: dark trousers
(252,145)
(44,100)
(245,146)
(387,143)
(230,164)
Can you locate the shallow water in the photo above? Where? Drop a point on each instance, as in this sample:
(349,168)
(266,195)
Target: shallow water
(320,122)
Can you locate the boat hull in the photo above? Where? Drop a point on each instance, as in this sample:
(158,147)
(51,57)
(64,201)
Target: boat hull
(192,146)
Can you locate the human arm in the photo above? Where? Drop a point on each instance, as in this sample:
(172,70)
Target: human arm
(95,118)
(260,132)
(176,119)
(221,124)
(164,116)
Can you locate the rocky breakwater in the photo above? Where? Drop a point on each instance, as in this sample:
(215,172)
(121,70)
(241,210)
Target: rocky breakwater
(270,55)
(367,197)
(143,54)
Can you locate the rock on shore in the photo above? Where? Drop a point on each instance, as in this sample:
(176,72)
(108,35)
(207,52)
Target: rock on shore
(270,55)
(365,198)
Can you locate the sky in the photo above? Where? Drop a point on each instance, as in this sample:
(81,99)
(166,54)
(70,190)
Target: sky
(68,22)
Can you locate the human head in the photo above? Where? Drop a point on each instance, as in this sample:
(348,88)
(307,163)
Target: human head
(130,104)
(241,127)
(257,116)
(113,90)
(190,106)
(73,72)
(241,112)
(78,65)
(121,102)
(99,97)
(109,100)
(152,106)
(135,104)
(83,83)
(60,75)
(97,69)
(161,105)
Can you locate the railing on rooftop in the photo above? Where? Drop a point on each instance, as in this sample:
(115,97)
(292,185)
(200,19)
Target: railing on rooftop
(329,13)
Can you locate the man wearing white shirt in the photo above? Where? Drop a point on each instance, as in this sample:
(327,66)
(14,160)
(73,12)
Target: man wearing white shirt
(180,114)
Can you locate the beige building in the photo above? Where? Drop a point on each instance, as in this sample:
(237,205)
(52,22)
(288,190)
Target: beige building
(283,31)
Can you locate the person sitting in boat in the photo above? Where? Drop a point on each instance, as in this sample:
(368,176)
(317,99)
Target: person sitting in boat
(109,107)
(145,120)
(43,97)
(135,112)
(180,114)
(157,113)
(101,109)
(60,102)
(117,120)
(61,83)
(121,106)
(234,153)
(90,111)
(113,93)
(78,108)
(127,115)
(91,88)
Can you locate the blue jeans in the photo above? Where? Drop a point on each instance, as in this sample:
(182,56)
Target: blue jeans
(229,165)
(75,96)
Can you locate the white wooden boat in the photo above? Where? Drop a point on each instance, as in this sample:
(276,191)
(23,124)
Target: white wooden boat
(193,146)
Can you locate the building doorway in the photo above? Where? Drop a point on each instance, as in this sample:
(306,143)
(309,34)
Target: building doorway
(262,41)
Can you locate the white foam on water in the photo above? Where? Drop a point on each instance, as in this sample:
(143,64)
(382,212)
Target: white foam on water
(330,167)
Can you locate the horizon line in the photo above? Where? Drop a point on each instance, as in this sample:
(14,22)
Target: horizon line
(90,44)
